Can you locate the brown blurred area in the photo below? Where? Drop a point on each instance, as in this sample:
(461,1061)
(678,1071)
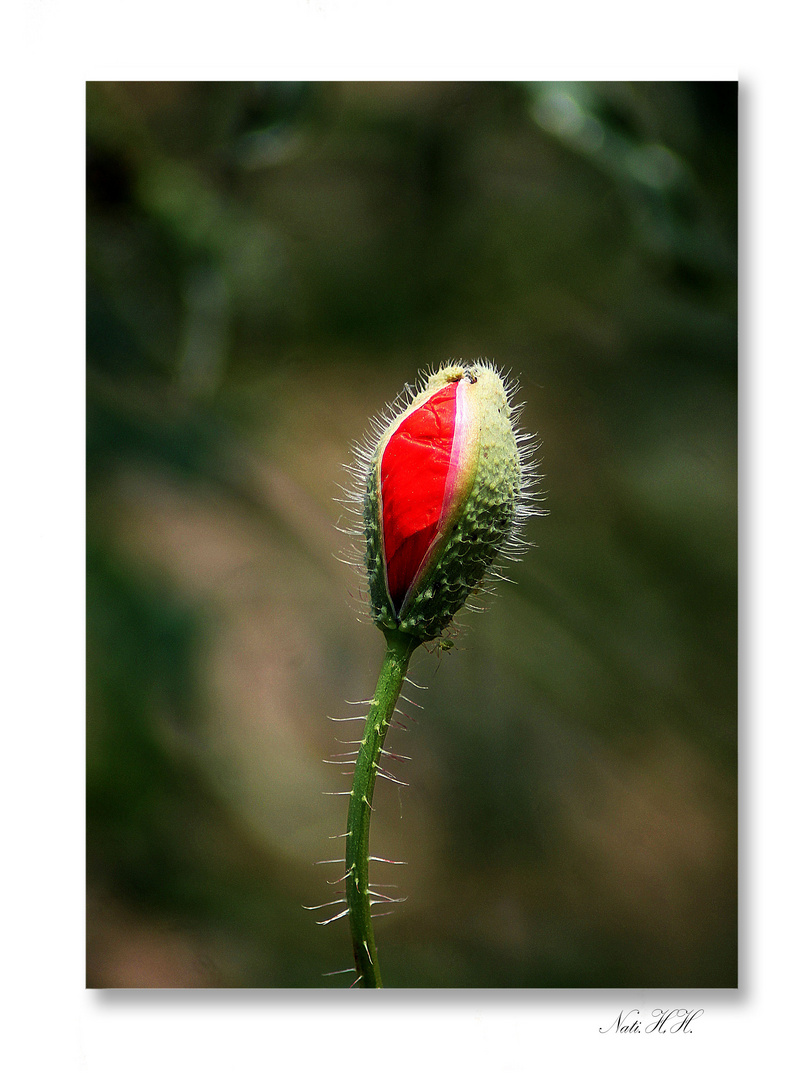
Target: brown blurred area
(267,265)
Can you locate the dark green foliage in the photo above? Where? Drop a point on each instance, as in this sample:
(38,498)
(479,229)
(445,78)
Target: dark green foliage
(266,265)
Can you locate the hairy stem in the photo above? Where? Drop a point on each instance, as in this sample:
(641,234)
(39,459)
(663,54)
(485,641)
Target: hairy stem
(394,668)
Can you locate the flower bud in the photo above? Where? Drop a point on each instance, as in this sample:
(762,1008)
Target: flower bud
(441,498)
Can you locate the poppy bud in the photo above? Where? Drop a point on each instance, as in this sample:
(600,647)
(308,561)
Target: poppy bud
(442,497)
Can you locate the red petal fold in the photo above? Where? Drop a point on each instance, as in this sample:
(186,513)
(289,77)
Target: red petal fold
(413,475)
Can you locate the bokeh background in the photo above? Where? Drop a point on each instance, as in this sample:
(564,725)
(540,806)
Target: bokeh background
(267,265)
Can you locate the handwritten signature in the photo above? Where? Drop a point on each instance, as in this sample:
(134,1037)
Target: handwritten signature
(663,1021)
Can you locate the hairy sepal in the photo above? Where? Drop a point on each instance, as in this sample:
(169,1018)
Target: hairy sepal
(483,504)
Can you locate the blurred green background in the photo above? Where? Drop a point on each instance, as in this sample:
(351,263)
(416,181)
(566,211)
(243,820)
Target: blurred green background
(267,265)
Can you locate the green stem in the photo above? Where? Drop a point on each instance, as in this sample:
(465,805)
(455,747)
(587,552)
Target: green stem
(395,666)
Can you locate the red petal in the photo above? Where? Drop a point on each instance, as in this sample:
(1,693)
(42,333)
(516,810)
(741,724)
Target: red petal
(413,473)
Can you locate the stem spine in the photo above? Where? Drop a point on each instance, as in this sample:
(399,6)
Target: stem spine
(399,649)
